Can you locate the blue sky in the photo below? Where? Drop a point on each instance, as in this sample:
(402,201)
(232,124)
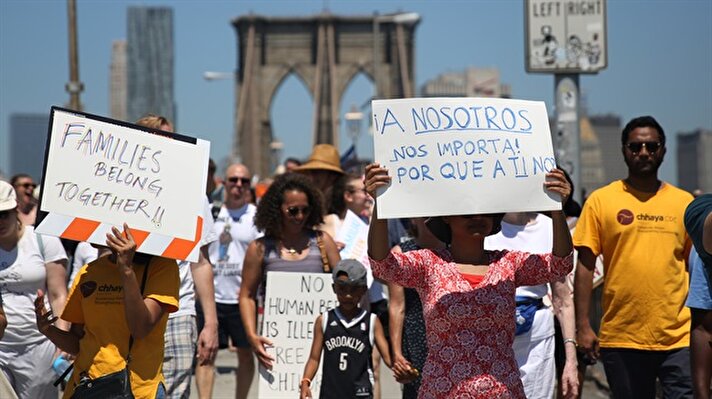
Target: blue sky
(660,61)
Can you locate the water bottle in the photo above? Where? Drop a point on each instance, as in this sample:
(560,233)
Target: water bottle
(60,365)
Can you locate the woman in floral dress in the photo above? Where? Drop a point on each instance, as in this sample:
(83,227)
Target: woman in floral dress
(468,294)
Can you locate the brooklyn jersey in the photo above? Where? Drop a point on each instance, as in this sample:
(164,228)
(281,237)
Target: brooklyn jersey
(347,370)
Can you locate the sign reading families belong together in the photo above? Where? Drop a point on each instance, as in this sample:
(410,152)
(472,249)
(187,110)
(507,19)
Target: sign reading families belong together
(101,173)
(449,156)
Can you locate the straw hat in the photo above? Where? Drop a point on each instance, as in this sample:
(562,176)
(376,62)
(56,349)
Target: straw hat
(323,157)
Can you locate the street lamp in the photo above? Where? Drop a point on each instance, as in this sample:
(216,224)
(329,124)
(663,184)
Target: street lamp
(212,75)
(353,123)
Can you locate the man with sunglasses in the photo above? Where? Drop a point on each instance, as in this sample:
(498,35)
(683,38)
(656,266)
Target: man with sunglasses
(637,225)
(26,202)
(235,227)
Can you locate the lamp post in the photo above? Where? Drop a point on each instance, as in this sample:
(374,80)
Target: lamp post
(213,76)
(74,86)
(353,123)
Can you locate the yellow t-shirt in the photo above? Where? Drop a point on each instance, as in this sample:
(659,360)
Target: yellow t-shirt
(96,300)
(644,245)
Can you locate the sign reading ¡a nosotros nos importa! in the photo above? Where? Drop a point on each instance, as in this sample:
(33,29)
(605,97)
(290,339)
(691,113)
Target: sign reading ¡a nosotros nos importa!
(449,156)
(101,173)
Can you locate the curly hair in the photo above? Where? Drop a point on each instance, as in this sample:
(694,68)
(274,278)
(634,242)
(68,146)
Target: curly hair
(269,210)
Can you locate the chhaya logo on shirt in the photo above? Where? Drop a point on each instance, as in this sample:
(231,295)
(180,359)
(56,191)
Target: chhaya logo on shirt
(87,288)
(626,217)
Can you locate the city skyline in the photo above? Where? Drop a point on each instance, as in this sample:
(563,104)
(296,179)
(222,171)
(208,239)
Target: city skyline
(660,58)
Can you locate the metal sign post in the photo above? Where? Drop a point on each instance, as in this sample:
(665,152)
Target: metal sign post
(566,135)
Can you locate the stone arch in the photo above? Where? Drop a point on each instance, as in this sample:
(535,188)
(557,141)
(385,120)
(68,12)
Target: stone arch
(326,51)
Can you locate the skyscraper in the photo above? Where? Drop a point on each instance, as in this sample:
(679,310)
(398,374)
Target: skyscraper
(694,160)
(117,80)
(28,135)
(150,62)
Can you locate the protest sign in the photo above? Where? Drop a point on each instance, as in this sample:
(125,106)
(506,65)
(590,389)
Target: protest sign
(354,235)
(455,156)
(292,303)
(100,173)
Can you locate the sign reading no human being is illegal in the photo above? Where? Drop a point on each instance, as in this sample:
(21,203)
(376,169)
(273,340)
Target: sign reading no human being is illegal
(456,156)
(100,173)
(292,303)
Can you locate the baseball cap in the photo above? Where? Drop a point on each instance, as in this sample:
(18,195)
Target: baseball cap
(354,270)
(8,198)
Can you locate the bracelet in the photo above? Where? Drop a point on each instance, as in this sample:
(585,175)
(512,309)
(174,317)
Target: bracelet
(307,380)
(571,341)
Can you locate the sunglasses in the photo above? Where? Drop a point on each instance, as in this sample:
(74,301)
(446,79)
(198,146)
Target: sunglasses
(27,185)
(651,146)
(245,181)
(293,211)
(5,214)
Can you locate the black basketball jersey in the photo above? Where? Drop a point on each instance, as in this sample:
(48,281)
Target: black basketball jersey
(347,371)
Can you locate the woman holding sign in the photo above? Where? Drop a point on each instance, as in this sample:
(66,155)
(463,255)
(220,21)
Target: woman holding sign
(118,307)
(288,214)
(468,294)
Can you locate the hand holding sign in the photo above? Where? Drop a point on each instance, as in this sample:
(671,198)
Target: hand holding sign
(376,178)
(558,184)
(122,245)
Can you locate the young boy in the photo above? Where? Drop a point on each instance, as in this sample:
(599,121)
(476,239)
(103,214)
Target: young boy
(346,335)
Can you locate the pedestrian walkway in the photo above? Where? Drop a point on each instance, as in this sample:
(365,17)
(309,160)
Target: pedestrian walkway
(595,385)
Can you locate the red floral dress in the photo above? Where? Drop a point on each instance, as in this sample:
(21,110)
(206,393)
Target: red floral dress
(469,330)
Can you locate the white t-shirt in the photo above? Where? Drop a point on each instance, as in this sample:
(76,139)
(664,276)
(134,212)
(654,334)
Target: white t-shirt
(237,228)
(536,238)
(83,254)
(22,272)
(186,292)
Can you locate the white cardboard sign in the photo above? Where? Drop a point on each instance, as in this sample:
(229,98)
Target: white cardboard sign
(292,303)
(100,173)
(455,156)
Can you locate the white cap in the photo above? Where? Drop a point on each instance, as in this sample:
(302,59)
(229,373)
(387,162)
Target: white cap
(8,198)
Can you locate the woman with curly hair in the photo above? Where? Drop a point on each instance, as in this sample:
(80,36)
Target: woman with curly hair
(288,214)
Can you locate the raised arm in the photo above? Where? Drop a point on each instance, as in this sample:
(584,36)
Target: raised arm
(556,183)
(251,278)
(142,314)
(67,341)
(378,248)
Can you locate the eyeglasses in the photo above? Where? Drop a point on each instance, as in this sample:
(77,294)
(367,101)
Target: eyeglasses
(651,146)
(245,181)
(293,211)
